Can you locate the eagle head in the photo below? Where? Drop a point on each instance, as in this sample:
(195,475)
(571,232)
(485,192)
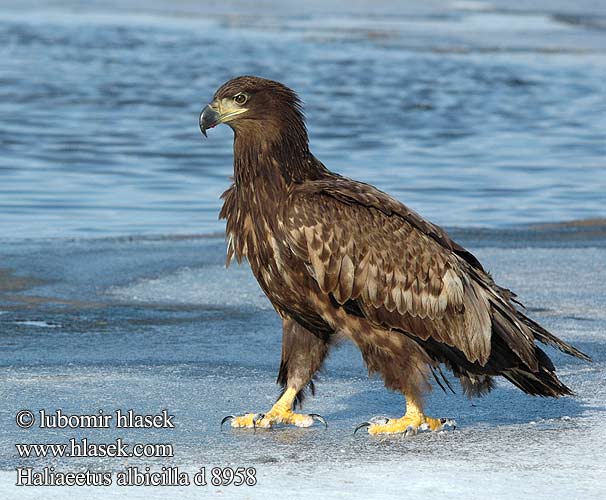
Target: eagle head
(249,103)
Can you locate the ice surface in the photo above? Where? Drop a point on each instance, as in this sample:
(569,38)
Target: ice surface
(41,324)
(211,286)
(158,323)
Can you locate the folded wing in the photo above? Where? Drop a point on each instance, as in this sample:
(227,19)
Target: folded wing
(377,258)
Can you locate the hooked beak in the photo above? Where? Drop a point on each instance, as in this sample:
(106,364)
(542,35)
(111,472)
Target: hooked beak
(209,118)
(219,111)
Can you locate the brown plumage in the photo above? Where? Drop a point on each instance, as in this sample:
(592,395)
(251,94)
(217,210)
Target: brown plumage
(339,258)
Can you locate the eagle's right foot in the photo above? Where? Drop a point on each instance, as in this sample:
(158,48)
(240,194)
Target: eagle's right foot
(407,425)
(411,423)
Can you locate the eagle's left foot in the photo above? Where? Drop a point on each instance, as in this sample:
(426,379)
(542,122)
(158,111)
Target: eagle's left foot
(273,417)
(280,413)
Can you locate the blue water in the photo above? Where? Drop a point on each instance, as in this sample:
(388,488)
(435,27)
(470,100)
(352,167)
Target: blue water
(472,115)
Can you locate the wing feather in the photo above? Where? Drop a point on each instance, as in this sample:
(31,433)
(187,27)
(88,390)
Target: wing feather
(362,246)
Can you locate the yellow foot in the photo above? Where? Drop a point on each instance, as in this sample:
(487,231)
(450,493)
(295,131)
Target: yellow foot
(260,420)
(407,425)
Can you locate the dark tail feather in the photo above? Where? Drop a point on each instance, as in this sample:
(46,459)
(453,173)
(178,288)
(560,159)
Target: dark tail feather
(548,338)
(476,385)
(544,382)
(435,370)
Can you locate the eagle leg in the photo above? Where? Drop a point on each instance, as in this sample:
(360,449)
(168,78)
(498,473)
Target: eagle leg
(302,356)
(411,423)
(280,413)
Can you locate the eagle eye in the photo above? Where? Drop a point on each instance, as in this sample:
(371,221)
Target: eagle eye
(240,99)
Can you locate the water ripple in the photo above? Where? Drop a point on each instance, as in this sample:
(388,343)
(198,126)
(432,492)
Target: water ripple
(99,114)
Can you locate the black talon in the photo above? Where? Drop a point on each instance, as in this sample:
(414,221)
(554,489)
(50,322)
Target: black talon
(319,418)
(362,425)
(226,419)
(257,418)
(450,422)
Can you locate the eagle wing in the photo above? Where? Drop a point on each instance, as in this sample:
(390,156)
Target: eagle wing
(376,257)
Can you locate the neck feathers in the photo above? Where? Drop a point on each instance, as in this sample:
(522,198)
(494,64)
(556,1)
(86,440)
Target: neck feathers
(274,150)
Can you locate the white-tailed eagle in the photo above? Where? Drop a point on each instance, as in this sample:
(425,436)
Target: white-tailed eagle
(338,258)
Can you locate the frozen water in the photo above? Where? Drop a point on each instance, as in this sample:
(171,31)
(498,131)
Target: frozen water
(156,323)
(41,324)
(211,286)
